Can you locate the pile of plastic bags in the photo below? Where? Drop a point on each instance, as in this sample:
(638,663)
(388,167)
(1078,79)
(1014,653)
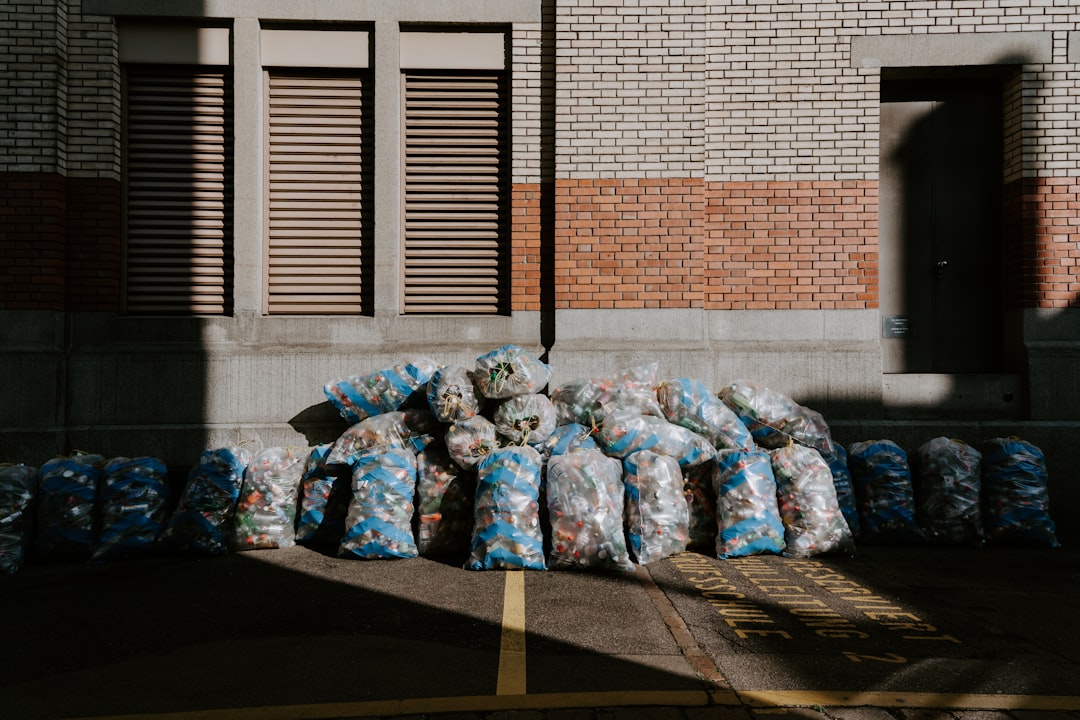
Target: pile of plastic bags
(484,466)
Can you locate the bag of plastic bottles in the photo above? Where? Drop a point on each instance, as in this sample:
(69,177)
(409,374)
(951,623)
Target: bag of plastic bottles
(18,485)
(452,394)
(884,492)
(565,438)
(701,504)
(379,524)
(747,517)
(324,500)
(1016,496)
(409,429)
(525,419)
(509,371)
(202,519)
(506,521)
(67,506)
(773,417)
(588,401)
(266,511)
(813,523)
(947,479)
(471,440)
(691,404)
(845,489)
(134,494)
(624,433)
(444,504)
(585,504)
(656,513)
(362,396)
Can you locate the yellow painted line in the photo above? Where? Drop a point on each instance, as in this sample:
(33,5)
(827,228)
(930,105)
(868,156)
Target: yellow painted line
(968,701)
(418,706)
(511,677)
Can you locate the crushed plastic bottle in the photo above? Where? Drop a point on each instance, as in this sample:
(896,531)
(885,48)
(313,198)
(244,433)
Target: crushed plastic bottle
(471,440)
(884,491)
(588,401)
(1016,495)
(747,516)
(324,500)
(625,433)
(67,506)
(585,496)
(947,477)
(18,485)
(266,511)
(525,419)
(845,488)
(701,503)
(362,396)
(409,429)
(379,524)
(692,405)
(444,506)
(564,438)
(202,519)
(773,417)
(508,371)
(134,511)
(657,516)
(506,521)
(452,394)
(813,522)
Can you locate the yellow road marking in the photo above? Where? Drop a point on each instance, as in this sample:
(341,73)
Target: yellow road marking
(511,677)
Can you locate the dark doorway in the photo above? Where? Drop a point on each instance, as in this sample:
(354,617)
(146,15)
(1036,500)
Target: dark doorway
(940,225)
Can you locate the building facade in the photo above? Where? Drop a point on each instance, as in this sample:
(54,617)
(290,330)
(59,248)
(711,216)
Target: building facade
(211,208)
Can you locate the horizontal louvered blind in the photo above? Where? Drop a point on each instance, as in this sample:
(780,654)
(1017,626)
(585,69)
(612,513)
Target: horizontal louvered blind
(320,211)
(178,179)
(455,203)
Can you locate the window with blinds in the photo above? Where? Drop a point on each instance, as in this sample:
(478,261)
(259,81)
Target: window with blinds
(456,199)
(320,175)
(178,190)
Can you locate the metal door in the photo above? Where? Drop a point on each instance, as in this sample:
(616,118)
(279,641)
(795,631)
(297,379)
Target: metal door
(940,227)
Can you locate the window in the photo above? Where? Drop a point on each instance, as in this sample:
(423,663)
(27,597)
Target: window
(455,175)
(177,171)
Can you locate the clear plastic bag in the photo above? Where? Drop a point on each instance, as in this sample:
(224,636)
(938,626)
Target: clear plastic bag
(452,394)
(813,523)
(324,500)
(506,519)
(471,440)
(509,371)
(1016,495)
(625,433)
(845,488)
(701,503)
(362,396)
(747,516)
(379,524)
(67,506)
(18,485)
(445,496)
(585,504)
(134,496)
(588,401)
(691,404)
(884,492)
(565,438)
(947,479)
(266,511)
(525,419)
(408,429)
(657,516)
(773,418)
(201,521)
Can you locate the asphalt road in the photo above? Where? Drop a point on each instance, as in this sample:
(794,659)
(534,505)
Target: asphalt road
(296,633)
